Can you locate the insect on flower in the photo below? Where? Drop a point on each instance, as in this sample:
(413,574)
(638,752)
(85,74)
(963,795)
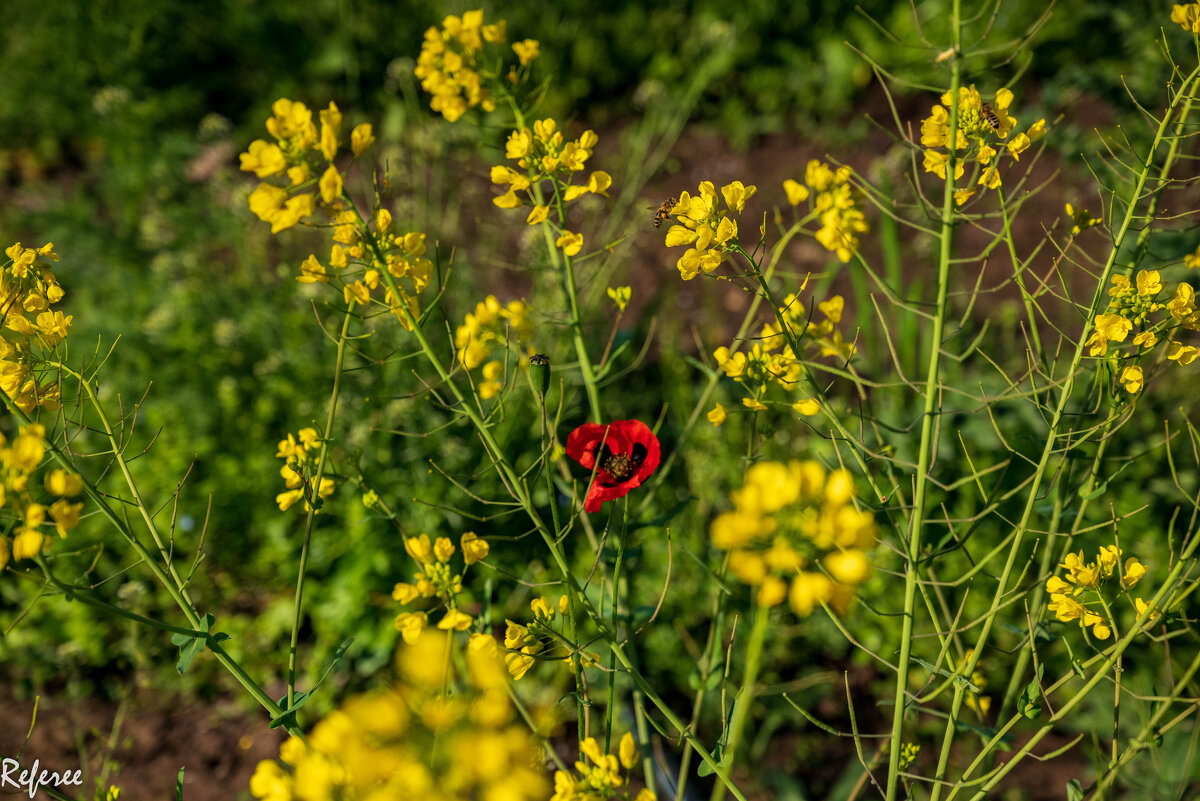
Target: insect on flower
(663,210)
(989,116)
(622,455)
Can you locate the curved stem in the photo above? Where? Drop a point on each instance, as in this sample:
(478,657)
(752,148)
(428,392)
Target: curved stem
(298,601)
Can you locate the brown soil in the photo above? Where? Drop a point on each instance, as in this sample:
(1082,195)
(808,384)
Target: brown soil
(138,746)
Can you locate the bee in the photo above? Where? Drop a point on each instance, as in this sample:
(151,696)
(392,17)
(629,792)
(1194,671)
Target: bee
(989,116)
(663,210)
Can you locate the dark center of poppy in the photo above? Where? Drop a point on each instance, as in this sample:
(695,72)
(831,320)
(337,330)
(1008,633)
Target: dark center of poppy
(622,466)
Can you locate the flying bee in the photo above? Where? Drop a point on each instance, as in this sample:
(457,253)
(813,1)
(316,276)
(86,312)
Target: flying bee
(989,116)
(663,210)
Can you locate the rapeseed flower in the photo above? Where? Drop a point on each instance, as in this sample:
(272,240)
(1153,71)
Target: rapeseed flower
(298,453)
(487,330)
(708,224)
(984,133)
(437,734)
(1085,595)
(436,579)
(28,288)
(31,515)
(795,533)
(598,776)
(833,201)
(455,63)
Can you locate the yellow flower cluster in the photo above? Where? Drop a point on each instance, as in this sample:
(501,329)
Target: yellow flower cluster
(366,253)
(1081,219)
(455,68)
(544,154)
(530,643)
(489,327)
(832,200)
(708,230)
(402,255)
(1087,579)
(297,451)
(797,522)
(771,360)
(18,461)
(1187,16)
(28,288)
(979,130)
(300,151)
(1133,305)
(415,740)
(598,775)
(435,579)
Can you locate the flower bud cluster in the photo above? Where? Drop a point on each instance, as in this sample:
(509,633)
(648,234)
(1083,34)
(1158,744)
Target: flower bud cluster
(436,579)
(298,452)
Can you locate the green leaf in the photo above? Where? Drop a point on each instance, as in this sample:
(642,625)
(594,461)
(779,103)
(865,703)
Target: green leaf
(704,769)
(1031,700)
(179,786)
(190,646)
(288,716)
(1074,790)
(958,679)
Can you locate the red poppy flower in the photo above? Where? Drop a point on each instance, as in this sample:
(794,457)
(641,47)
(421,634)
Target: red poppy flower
(623,453)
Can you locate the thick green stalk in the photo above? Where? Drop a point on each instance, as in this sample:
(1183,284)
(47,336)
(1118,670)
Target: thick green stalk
(745,696)
(298,602)
(613,612)
(1039,591)
(929,421)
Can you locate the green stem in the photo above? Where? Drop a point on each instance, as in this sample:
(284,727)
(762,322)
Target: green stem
(1026,298)
(298,602)
(745,696)
(85,597)
(1159,601)
(1044,566)
(928,420)
(1149,731)
(827,412)
(564,267)
(710,657)
(586,369)
(613,612)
